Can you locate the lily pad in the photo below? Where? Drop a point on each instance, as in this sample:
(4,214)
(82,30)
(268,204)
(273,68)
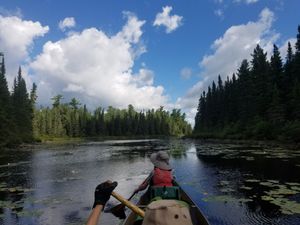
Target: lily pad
(295,188)
(250,158)
(293,184)
(227,189)
(224,182)
(267,198)
(246,187)
(282,191)
(12,190)
(26,213)
(259,153)
(8,205)
(268,184)
(287,206)
(3,184)
(252,180)
(273,181)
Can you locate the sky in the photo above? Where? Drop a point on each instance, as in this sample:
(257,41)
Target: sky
(145,53)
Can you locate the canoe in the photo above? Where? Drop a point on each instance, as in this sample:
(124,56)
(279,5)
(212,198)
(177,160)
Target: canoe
(197,216)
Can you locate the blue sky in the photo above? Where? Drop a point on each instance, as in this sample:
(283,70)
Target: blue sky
(145,53)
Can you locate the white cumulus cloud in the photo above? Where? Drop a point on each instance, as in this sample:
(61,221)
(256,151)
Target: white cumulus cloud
(97,68)
(16,40)
(165,19)
(67,22)
(236,44)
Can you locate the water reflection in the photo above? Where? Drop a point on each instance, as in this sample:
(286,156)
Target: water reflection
(232,184)
(259,178)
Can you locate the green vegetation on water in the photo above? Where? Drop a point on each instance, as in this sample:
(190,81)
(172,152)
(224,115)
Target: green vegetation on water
(261,101)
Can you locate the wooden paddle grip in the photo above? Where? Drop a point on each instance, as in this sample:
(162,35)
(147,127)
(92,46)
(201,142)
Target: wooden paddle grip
(133,207)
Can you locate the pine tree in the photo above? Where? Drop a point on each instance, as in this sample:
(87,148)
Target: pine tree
(297,57)
(33,97)
(245,90)
(22,109)
(74,103)
(4,93)
(56,100)
(276,67)
(7,126)
(262,81)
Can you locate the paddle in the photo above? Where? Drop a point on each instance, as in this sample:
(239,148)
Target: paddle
(119,210)
(121,213)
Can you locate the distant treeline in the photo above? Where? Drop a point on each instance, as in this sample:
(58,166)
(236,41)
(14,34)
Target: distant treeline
(73,121)
(22,122)
(261,101)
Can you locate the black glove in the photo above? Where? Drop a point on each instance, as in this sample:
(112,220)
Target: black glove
(103,192)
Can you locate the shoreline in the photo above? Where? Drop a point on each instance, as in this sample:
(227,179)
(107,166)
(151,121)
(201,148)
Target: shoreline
(270,143)
(78,140)
(75,140)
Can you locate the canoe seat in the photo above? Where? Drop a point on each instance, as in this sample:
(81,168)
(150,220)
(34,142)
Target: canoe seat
(165,192)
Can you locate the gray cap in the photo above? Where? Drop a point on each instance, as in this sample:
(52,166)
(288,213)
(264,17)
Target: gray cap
(161,160)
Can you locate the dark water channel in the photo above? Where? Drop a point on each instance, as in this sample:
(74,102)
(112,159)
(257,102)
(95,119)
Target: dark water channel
(232,184)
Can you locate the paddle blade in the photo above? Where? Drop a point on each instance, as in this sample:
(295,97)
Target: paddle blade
(119,211)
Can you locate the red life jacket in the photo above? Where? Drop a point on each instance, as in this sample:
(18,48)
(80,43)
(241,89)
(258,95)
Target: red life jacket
(162,178)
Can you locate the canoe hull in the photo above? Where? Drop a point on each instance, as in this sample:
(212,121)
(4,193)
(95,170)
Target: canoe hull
(196,214)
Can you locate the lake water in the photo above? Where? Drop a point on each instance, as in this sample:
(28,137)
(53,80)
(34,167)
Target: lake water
(231,184)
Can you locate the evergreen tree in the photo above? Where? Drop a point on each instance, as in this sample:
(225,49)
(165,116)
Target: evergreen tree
(262,81)
(262,102)
(74,103)
(297,57)
(7,126)
(245,90)
(33,97)
(22,109)
(56,100)
(276,67)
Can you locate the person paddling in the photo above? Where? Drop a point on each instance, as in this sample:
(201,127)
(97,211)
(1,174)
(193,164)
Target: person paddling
(164,212)
(161,175)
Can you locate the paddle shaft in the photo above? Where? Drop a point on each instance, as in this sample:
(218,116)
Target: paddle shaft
(133,194)
(133,207)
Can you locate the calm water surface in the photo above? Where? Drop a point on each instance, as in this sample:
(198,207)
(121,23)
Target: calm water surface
(232,184)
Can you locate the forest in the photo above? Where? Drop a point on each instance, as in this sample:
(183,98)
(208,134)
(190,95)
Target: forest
(260,101)
(24,122)
(72,120)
